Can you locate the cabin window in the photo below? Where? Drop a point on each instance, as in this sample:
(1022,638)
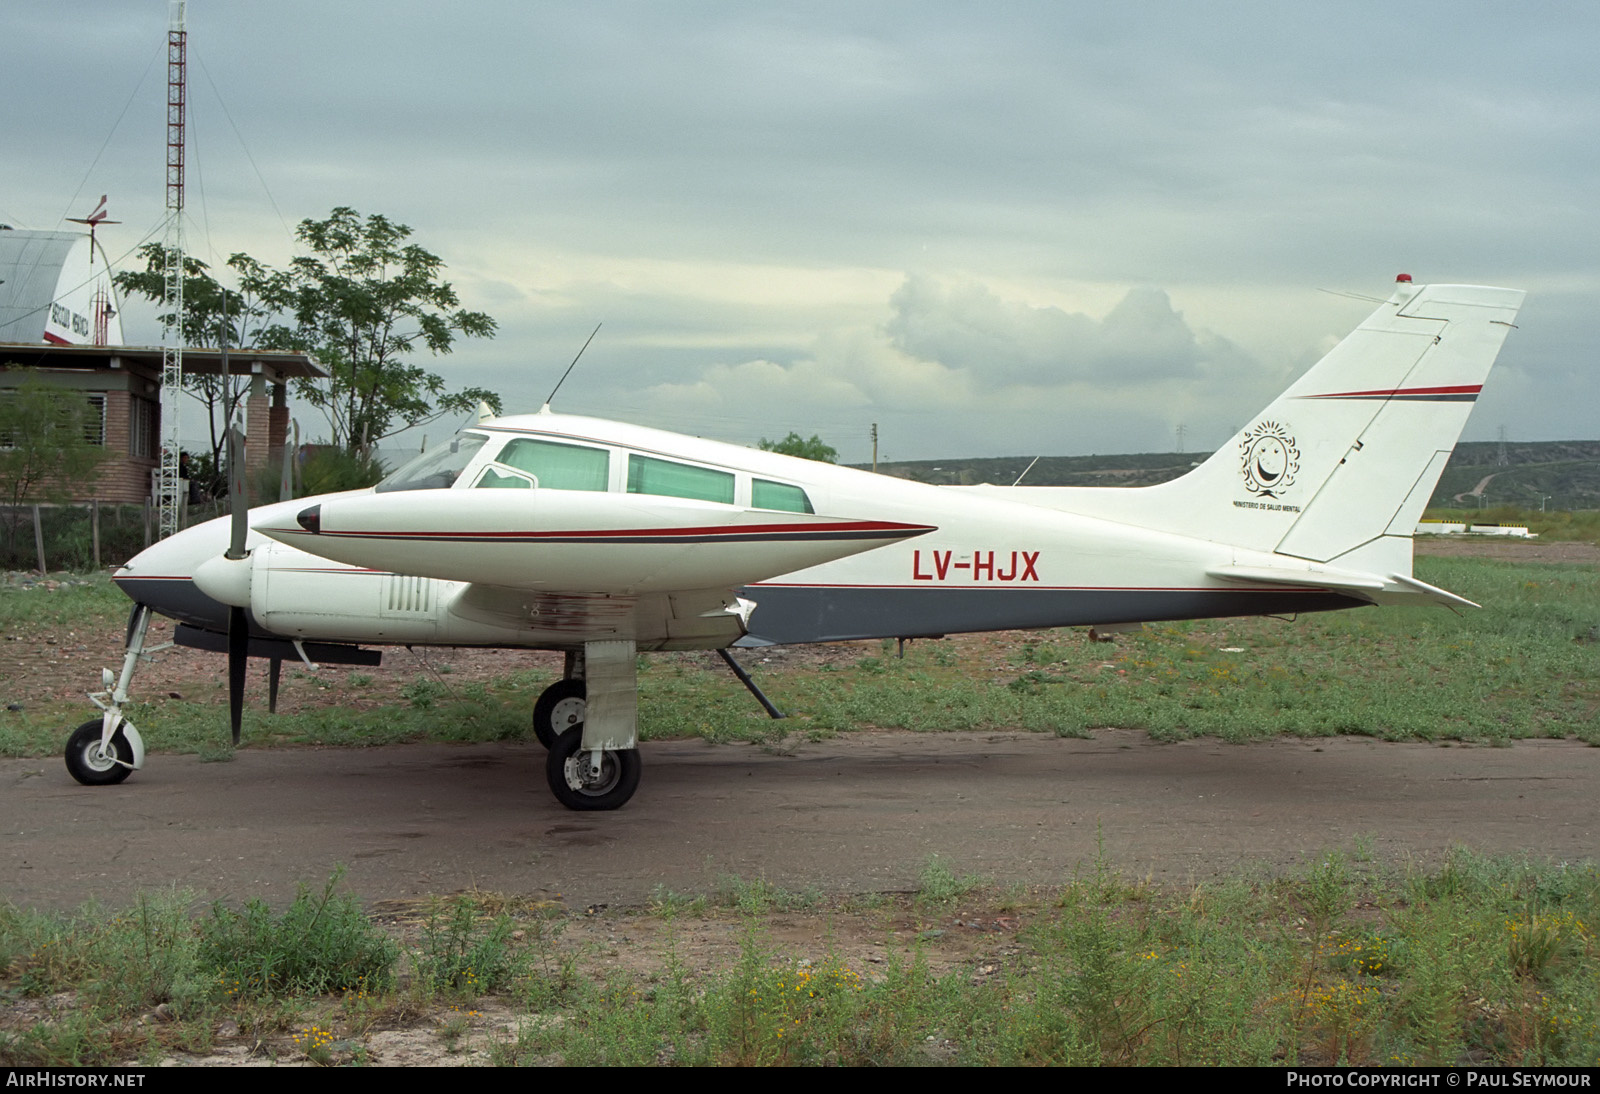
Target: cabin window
(493,477)
(437,468)
(678,480)
(557,466)
(780,496)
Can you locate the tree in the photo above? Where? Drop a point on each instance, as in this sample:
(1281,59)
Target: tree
(795,445)
(45,453)
(360,303)
(205,302)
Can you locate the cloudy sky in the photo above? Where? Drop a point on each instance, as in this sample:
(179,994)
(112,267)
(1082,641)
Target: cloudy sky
(992,229)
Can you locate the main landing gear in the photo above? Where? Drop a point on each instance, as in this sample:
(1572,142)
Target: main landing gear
(591,780)
(588,720)
(560,708)
(593,742)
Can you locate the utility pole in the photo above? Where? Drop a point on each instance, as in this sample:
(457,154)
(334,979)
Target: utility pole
(168,487)
(874,448)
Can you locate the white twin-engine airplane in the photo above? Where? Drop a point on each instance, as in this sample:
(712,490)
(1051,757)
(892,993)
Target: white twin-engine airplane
(549,531)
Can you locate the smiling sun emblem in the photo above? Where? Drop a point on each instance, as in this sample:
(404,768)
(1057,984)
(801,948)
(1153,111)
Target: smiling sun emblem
(1269,459)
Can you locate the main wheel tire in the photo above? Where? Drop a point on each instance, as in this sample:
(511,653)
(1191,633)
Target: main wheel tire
(567,770)
(92,767)
(560,708)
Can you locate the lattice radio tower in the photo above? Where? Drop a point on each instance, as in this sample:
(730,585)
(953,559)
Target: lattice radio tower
(168,487)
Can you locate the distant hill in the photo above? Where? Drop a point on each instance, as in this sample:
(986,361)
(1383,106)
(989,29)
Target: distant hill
(1567,471)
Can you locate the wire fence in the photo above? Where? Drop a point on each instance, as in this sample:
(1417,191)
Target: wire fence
(84,536)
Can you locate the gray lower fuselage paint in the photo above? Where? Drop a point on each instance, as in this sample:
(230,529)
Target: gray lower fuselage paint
(796,613)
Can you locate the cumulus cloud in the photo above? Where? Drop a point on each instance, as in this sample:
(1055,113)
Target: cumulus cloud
(967,326)
(965,368)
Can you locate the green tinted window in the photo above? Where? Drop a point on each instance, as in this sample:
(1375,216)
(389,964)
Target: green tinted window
(678,480)
(492,477)
(558,466)
(777,495)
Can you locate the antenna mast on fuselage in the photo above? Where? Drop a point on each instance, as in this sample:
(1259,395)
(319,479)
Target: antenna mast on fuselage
(552,396)
(167,489)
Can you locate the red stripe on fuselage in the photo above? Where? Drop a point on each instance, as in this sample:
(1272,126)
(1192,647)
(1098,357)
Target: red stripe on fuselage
(1388,393)
(712,532)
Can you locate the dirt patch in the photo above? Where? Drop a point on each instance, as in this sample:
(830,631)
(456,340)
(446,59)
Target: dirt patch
(1505,549)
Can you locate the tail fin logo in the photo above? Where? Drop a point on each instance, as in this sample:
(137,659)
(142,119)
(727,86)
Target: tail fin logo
(1268,459)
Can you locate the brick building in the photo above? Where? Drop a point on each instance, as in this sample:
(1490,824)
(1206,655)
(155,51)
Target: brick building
(123,387)
(59,316)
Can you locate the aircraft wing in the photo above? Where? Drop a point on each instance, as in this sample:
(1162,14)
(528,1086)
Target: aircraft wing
(694,618)
(576,541)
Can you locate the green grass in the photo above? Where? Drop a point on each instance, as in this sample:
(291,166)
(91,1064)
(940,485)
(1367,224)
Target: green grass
(1526,665)
(1487,961)
(88,601)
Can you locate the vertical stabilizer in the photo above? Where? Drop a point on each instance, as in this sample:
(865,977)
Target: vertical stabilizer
(1350,454)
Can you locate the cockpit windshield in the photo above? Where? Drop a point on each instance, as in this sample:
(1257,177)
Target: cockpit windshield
(437,468)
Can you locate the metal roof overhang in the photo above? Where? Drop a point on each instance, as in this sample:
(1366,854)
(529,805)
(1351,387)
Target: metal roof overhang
(276,365)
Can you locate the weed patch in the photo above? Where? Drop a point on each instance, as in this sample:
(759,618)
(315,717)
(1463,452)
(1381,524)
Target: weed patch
(321,943)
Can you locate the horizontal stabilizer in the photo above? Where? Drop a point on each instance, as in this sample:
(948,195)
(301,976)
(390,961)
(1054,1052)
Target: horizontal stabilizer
(1305,579)
(1433,592)
(1394,588)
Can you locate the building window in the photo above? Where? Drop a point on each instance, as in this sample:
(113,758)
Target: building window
(142,419)
(94,419)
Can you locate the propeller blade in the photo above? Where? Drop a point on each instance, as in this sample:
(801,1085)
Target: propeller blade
(238,617)
(236,493)
(238,661)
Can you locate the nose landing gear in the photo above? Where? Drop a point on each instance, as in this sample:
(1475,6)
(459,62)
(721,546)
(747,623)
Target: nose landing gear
(105,750)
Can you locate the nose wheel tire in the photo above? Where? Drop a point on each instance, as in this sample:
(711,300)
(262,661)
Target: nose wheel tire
(95,766)
(567,769)
(560,708)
